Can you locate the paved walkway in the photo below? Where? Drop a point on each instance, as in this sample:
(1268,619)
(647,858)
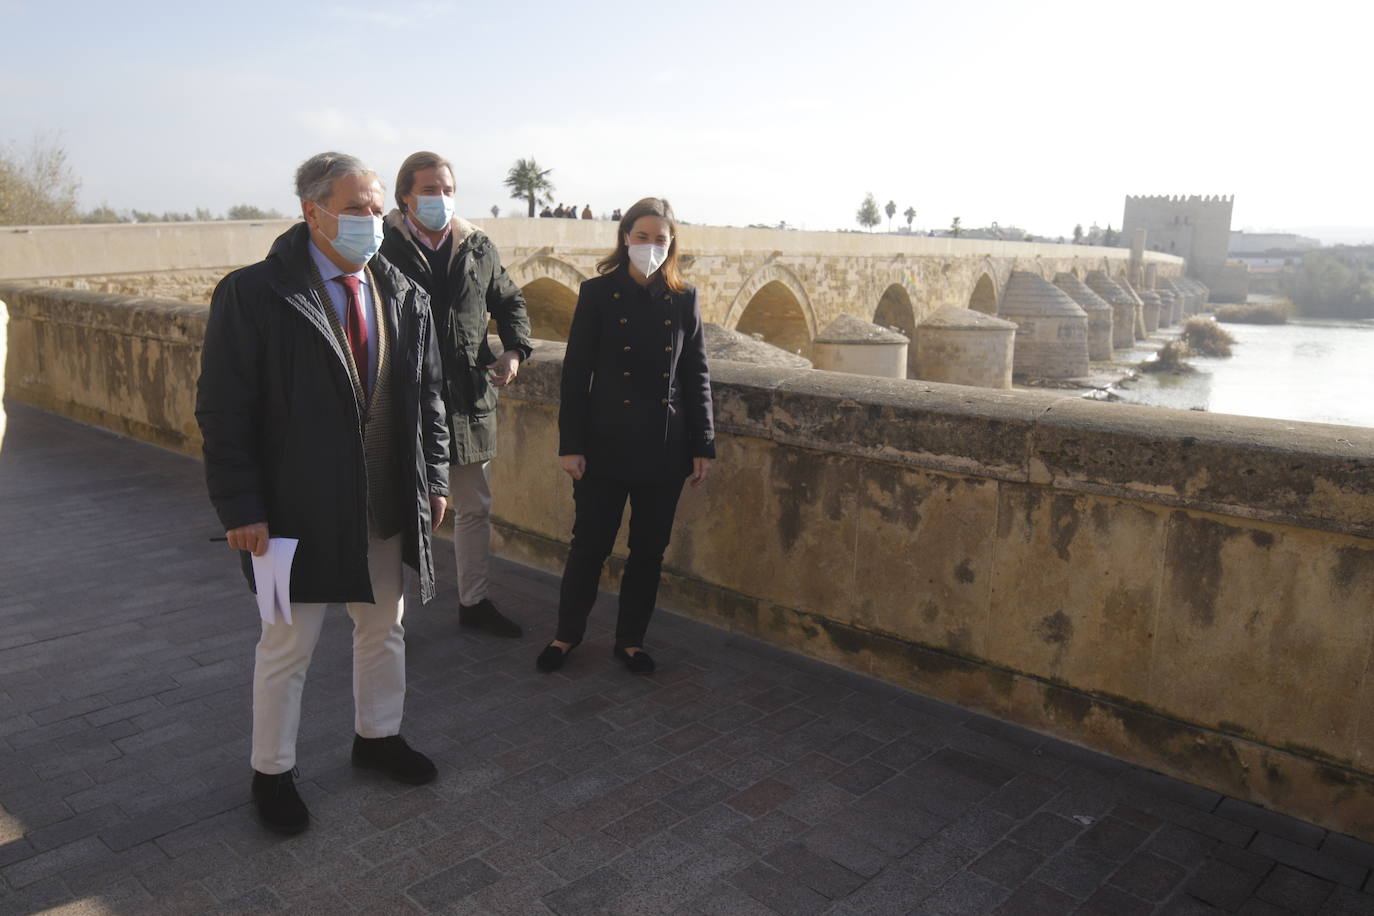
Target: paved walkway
(739,780)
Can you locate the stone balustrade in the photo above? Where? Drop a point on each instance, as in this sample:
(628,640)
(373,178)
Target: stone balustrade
(1188,591)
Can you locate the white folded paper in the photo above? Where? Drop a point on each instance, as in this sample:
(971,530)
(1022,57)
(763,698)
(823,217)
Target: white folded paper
(272,575)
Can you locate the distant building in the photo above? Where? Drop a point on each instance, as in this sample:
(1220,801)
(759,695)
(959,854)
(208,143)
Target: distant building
(1197,228)
(1257,243)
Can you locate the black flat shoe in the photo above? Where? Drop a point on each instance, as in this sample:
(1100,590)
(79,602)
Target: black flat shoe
(639,663)
(552,658)
(484,616)
(279,806)
(393,757)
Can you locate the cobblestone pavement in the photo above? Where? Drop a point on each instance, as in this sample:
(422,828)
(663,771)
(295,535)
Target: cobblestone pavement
(739,780)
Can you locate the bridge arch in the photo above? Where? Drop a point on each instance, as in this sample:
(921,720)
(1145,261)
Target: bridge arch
(896,311)
(984,297)
(550,289)
(774,304)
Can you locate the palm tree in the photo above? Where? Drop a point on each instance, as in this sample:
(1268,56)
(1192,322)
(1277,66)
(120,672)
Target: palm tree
(528,182)
(891,211)
(910,214)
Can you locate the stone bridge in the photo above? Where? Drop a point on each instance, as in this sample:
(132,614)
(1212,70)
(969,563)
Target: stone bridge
(784,286)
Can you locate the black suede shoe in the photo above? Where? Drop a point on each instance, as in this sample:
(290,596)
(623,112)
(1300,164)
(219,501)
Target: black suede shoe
(552,658)
(279,806)
(392,757)
(484,616)
(639,663)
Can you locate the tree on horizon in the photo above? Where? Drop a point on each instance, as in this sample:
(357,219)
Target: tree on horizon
(891,211)
(955,229)
(910,215)
(528,182)
(868,216)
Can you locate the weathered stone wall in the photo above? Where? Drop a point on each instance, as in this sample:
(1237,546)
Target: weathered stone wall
(125,363)
(1188,591)
(784,285)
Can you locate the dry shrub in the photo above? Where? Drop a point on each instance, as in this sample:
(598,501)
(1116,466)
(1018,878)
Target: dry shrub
(1168,359)
(1262,313)
(1205,337)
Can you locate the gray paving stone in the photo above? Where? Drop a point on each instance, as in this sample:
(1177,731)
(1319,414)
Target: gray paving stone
(1305,858)
(1294,891)
(453,883)
(1036,899)
(592,893)
(966,894)
(1075,871)
(1349,848)
(1345,901)
(821,874)
(1222,885)
(1149,877)
(1111,901)
(1047,832)
(1007,864)
(1271,822)
(779,891)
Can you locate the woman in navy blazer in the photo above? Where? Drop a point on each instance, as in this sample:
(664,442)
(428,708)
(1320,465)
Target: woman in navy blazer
(634,422)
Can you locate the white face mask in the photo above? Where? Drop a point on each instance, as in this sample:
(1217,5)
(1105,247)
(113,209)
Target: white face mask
(648,258)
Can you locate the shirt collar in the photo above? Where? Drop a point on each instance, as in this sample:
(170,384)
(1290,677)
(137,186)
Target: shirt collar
(419,236)
(329,270)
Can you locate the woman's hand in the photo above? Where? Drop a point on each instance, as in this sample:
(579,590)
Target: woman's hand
(573,465)
(701,467)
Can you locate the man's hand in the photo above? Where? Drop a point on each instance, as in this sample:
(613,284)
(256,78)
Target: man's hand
(252,538)
(505,368)
(437,506)
(701,467)
(573,465)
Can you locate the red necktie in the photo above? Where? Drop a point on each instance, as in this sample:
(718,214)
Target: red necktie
(357,330)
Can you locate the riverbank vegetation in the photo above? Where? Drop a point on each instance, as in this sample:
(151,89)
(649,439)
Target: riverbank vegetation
(1204,337)
(1335,283)
(1276,312)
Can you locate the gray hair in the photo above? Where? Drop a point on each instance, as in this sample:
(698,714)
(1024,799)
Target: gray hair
(316,176)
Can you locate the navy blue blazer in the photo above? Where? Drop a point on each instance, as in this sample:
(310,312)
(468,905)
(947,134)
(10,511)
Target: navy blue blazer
(636,390)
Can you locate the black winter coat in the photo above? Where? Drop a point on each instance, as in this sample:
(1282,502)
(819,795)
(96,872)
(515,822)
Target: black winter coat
(283,442)
(477,285)
(636,390)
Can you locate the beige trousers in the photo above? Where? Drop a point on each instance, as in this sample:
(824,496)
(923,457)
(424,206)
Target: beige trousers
(469,496)
(379,664)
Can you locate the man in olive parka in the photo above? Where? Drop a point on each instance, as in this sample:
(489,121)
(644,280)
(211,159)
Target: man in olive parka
(460,268)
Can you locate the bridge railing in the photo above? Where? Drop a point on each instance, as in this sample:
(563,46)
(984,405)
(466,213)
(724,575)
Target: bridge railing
(1187,591)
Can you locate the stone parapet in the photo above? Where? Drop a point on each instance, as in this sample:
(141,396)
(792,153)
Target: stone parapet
(1184,590)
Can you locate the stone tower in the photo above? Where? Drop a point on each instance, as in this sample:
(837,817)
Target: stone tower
(1196,227)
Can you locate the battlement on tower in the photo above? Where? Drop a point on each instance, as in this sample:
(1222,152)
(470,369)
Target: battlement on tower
(1181,198)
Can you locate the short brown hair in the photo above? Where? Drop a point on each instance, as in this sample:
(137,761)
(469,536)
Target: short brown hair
(417,162)
(620,258)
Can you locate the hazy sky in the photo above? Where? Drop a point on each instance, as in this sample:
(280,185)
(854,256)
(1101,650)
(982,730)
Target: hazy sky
(1036,115)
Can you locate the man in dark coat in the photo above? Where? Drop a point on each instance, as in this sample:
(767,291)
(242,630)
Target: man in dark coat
(460,268)
(320,408)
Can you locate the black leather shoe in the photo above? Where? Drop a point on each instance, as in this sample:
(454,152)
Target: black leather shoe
(484,616)
(392,757)
(552,658)
(639,663)
(279,805)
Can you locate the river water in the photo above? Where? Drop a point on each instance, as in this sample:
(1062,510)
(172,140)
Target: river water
(1321,371)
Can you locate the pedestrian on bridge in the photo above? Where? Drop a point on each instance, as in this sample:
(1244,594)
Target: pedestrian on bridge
(319,403)
(634,423)
(460,268)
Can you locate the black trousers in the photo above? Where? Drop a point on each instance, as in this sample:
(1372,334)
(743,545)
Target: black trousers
(599,504)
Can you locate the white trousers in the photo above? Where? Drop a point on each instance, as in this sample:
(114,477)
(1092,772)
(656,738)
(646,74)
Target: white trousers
(469,496)
(379,664)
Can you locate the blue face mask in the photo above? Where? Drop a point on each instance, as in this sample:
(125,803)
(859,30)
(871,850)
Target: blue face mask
(434,213)
(359,238)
